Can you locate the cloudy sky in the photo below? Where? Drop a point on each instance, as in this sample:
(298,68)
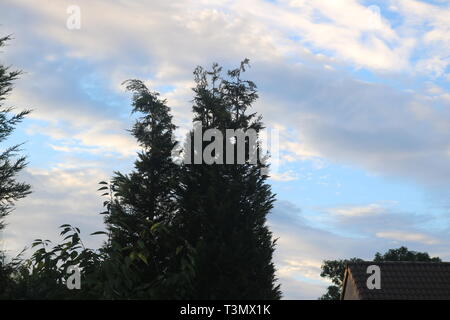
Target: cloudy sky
(358,90)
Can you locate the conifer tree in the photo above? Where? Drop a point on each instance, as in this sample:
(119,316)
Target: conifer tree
(10,166)
(146,194)
(10,162)
(143,205)
(223,207)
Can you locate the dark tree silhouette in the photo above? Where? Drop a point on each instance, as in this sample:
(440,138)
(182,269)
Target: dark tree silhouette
(223,207)
(143,206)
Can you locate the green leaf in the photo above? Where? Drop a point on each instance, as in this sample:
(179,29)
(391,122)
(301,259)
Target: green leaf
(133,256)
(36,243)
(67,237)
(142,257)
(155,226)
(67,229)
(98,232)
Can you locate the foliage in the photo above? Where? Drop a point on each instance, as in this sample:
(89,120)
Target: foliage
(158,265)
(43,275)
(10,189)
(403,254)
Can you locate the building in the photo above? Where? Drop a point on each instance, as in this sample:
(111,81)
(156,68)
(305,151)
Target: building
(397,281)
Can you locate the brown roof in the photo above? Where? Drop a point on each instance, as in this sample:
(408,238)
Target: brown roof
(403,280)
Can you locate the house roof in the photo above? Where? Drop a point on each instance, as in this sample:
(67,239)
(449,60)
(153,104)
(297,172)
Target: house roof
(402,280)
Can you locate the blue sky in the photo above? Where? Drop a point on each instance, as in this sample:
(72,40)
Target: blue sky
(358,90)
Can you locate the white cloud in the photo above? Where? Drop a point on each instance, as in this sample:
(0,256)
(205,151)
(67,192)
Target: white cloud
(430,25)
(284,176)
(354,211)
(294,289)
(405,236)
(59,196)
(352,127)
(306,268)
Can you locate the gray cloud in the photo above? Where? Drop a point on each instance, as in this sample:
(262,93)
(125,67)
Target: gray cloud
(373,126)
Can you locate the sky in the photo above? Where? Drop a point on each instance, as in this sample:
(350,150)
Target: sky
(359,92)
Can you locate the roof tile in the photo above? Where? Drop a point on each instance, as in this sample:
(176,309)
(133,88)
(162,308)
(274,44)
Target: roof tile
(404,280)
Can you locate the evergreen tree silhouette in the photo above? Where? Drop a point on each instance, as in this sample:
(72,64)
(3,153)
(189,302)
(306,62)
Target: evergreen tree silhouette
(223,207)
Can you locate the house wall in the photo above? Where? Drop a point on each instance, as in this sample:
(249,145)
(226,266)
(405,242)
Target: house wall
(351,292)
